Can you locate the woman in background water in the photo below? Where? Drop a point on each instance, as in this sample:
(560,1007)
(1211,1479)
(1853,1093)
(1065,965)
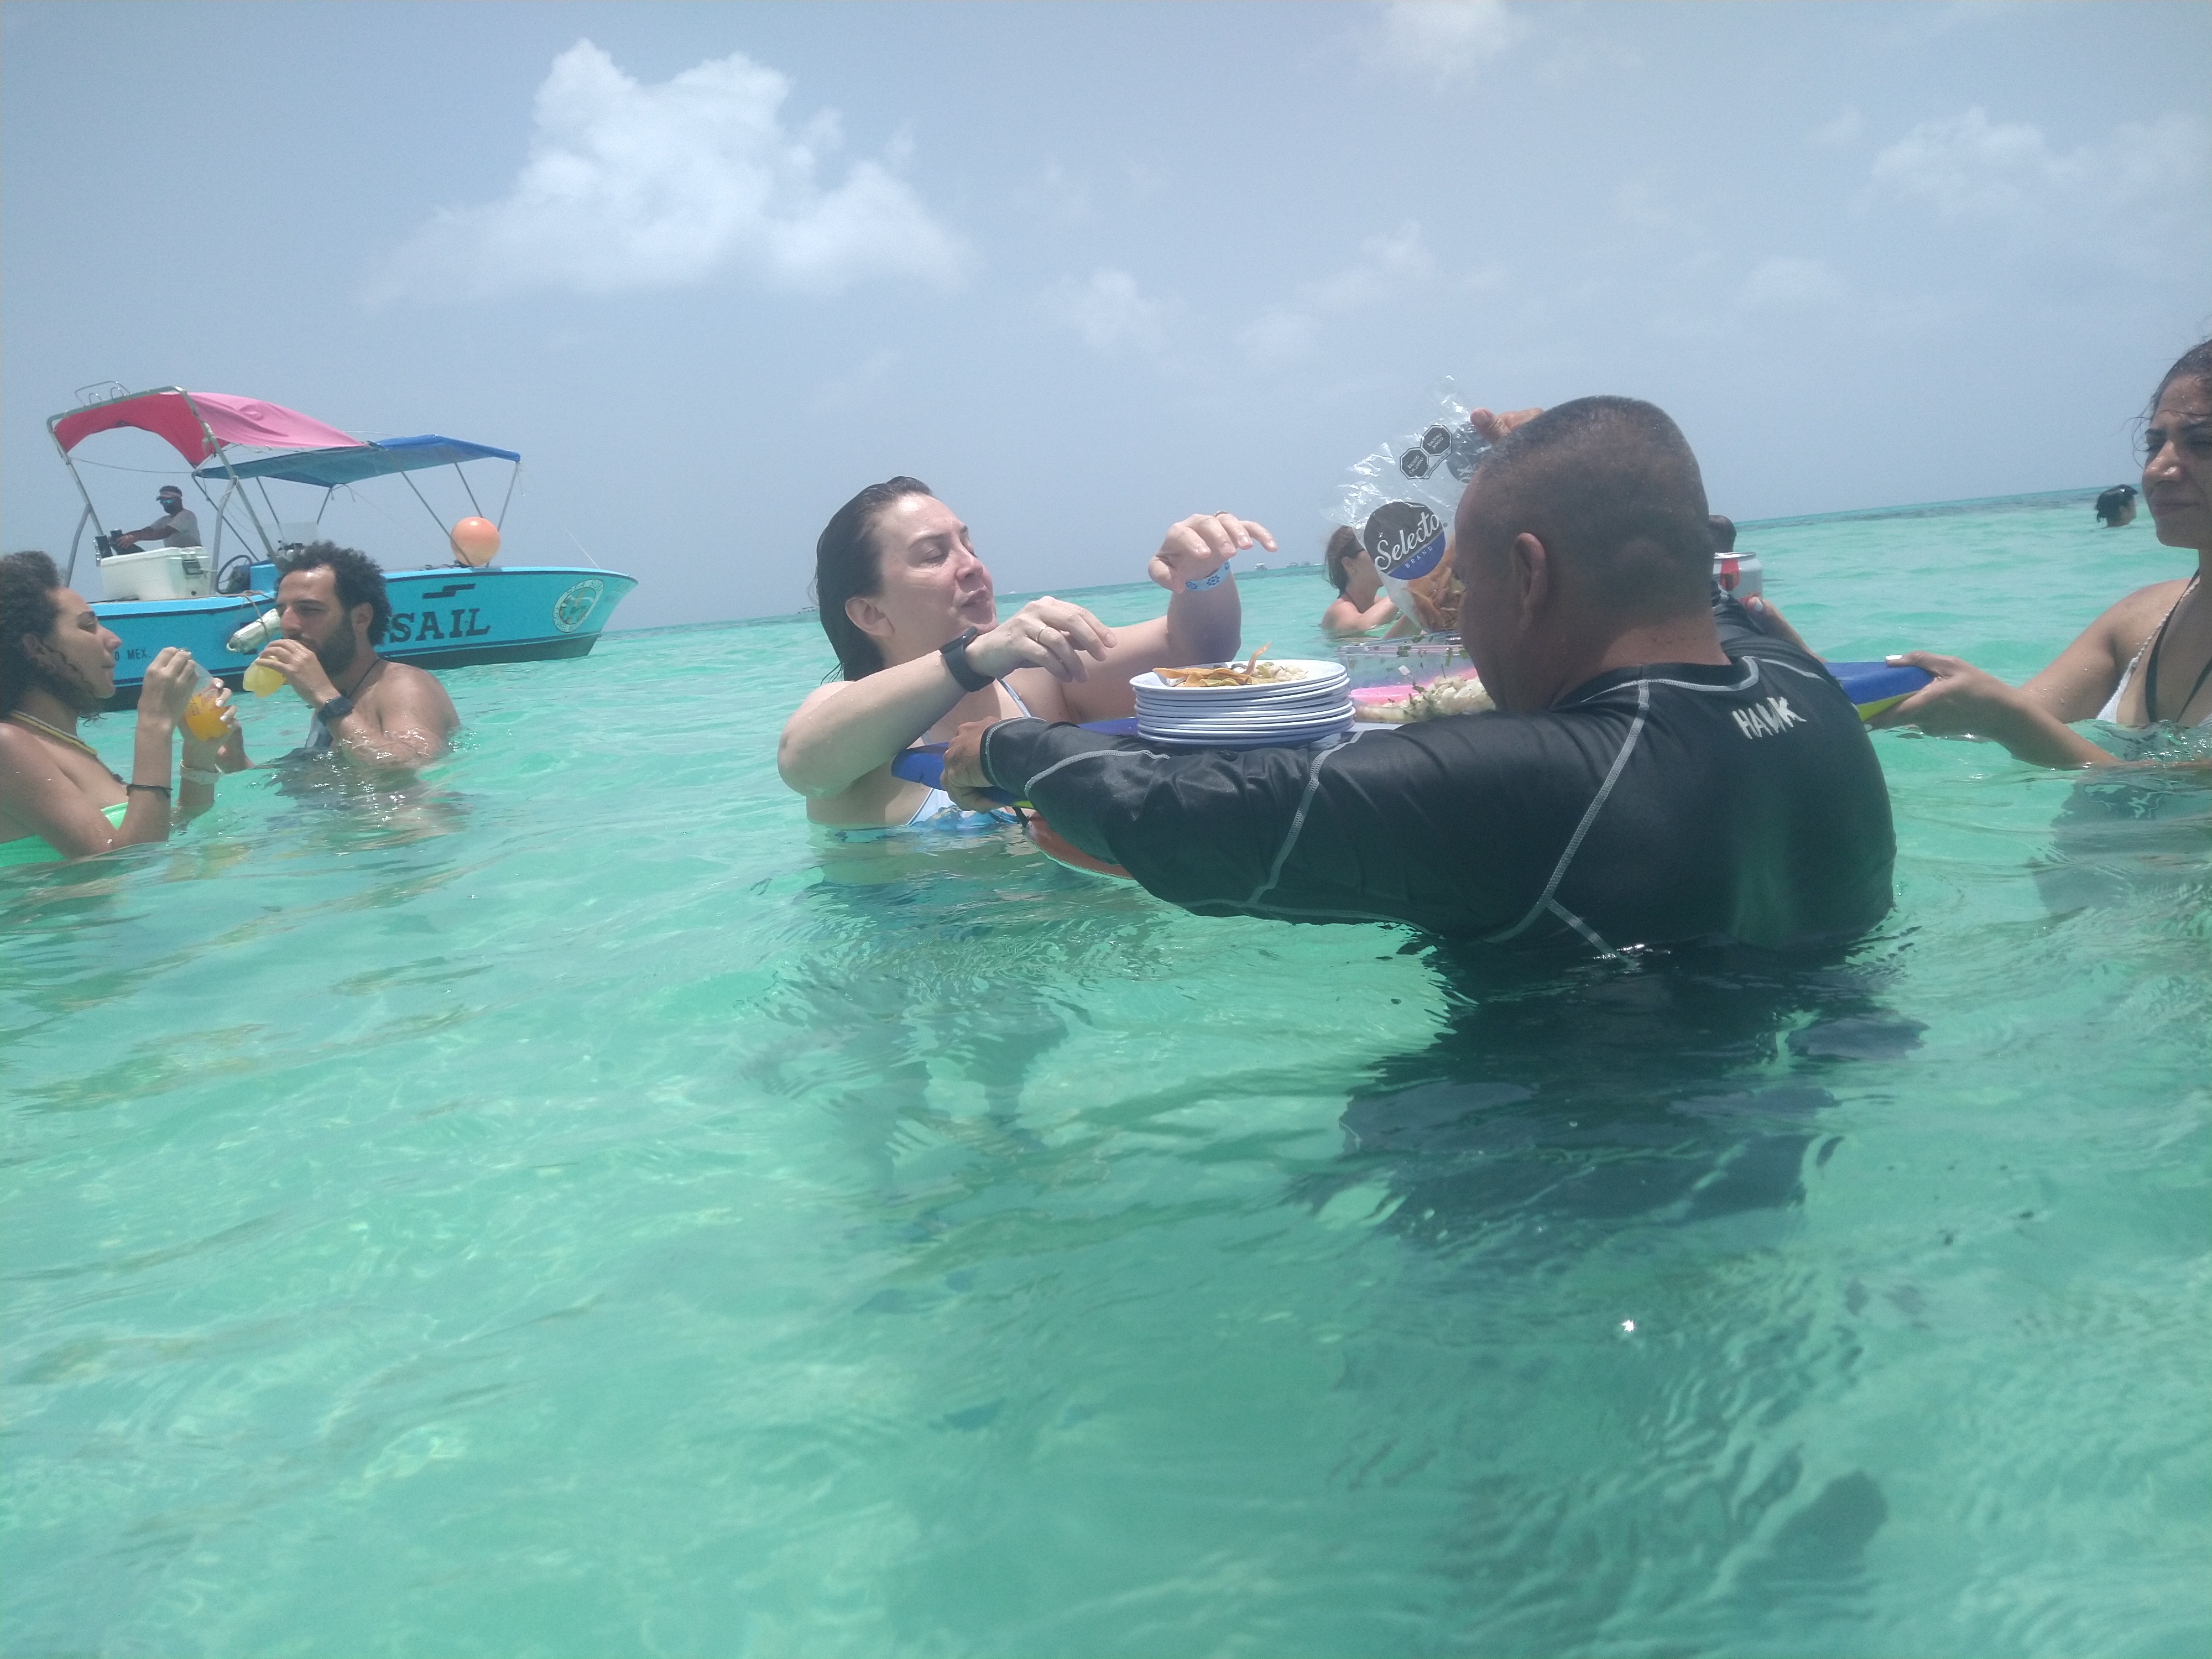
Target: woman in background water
(2148,660)
(1360,607)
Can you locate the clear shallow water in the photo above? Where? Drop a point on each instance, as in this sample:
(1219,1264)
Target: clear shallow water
(576,1212)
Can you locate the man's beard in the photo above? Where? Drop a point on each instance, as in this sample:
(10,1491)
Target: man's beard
(336,654)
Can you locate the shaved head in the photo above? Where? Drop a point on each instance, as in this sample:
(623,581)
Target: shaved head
(1610,487)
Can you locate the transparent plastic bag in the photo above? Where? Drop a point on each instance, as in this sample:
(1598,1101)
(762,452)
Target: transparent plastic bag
(1399,499)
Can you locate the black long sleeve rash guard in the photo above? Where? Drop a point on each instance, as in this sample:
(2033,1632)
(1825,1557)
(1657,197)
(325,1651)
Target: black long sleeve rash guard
(1663,804)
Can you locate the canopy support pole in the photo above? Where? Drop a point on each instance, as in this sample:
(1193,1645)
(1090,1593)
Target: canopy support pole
(329,492)
(464,477)
(427,508)
(69,576)
(90,511)
(500,523)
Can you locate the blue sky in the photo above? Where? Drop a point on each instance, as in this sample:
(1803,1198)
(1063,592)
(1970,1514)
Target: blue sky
(1088,268)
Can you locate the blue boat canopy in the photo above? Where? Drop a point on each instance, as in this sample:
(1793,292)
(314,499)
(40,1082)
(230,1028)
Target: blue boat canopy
(331,467)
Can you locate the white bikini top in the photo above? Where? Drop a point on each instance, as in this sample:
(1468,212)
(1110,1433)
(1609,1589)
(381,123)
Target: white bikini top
(2111,711)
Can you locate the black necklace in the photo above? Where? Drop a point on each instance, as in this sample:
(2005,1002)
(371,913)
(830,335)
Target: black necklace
(2150,668)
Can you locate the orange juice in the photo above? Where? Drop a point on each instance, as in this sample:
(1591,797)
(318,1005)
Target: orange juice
(261,679)
(202,719)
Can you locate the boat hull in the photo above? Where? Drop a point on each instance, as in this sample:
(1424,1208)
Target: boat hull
(448,616)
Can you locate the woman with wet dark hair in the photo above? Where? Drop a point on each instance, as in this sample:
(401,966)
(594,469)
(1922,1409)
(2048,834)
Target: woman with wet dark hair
(1360,607)
(912,615)
(58,799)
(2146,661)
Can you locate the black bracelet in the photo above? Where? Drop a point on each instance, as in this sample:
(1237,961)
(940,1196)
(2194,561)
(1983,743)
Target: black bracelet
(955,652)
(151,788)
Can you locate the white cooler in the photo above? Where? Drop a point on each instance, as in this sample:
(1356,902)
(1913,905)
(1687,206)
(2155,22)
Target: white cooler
(159,573)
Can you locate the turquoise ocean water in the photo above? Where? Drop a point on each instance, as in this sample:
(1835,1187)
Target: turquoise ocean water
(575,1211)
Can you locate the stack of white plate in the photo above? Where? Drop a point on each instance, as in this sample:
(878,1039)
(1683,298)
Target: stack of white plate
(1315,704)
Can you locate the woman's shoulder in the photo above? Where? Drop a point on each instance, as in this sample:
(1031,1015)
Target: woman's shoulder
(21,747)
(2128,621)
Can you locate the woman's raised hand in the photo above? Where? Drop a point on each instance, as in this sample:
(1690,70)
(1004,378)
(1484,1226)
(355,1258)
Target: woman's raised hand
(1194,548)
(1049,633)
(1493,425)
(171,679)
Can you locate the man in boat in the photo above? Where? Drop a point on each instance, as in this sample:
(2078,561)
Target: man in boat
(177,527)
(332,605)
(1659,769)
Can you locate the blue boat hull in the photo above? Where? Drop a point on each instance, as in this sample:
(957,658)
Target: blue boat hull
(445,617)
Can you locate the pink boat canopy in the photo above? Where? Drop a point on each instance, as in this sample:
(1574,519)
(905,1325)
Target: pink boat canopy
(195,424)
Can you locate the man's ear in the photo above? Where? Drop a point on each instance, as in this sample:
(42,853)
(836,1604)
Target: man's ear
(868,616)
(361,616)
(1535,579)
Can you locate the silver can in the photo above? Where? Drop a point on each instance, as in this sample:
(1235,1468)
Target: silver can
(1737,574)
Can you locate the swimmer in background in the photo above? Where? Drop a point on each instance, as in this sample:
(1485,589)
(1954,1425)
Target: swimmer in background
(1361,607)
(2117,507)
(58,799)
(2147,659)
(912,615)
(331,604)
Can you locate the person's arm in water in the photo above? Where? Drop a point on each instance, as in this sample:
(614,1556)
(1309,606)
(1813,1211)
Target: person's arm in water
(204,757)
(1315,835)
(1203,623)
(2033,720)
(1344,620)
(845,730)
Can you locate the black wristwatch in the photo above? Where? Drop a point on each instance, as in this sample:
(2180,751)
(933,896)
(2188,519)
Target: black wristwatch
(955,652)
(336,709)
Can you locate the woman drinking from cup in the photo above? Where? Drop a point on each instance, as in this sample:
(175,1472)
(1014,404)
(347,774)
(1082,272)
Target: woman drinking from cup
(58,799)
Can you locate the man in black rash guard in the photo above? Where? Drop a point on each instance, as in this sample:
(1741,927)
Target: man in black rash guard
(1659,770)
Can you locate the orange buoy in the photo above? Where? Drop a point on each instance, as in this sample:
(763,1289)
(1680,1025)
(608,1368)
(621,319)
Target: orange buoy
(475,541)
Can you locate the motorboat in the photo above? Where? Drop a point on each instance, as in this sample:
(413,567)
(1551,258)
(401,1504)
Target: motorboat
(218,606)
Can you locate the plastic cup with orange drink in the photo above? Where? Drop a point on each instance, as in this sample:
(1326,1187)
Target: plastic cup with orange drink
(204,717)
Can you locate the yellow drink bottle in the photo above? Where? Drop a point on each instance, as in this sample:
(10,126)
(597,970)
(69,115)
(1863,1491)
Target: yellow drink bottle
(261,679)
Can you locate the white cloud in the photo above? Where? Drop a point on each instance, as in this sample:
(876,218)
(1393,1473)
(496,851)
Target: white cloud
(1967,166)
(630,186)
(1785,282)
(1108,313)
(1388,266)
(1442,41)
